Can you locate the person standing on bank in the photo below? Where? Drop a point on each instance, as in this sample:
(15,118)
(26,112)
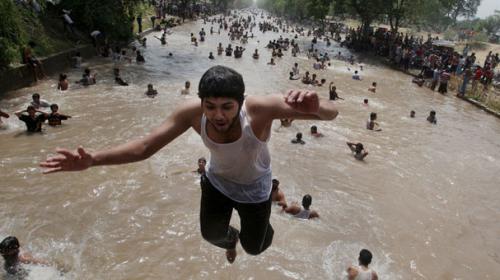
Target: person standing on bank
(236,131)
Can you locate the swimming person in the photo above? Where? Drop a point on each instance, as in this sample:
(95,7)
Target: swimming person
(32,120)
(13,257)
(55,117)
(236,130)
(202,162)
(362,272)
(302,212)
(298,139)
(314,132)
(371,124)
(432,117)
(277,195)
(151,92)
(358,150)
(185,89)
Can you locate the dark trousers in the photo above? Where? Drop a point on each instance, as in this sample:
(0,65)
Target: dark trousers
(215,213)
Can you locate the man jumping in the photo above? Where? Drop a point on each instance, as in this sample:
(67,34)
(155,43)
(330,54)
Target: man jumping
(236,131)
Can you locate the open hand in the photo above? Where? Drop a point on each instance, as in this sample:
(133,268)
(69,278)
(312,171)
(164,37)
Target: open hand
(303,101)
(67,161)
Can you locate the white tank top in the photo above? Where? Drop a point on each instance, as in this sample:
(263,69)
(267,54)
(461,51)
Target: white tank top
(364,274)
(241,170)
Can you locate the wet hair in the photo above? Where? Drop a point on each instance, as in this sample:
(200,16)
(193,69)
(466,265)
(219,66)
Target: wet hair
(150,85)
(62,77)
(31,44)
(299,135)
(30,107)
(202,159)
(374,84)
(35,95)
(356,72)
(314,129)
(359,147)
(221,81)
(365,101)
(373,116)
(306,201)
(365,257)
(276,182)
(55,106)
(412,113)
(87,71)
(433,113)
(8,244)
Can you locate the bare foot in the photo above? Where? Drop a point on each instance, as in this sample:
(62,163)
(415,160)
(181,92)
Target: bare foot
(231,253)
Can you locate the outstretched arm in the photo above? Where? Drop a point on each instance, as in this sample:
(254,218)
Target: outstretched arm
(176,124)
(352,146)
(295,104)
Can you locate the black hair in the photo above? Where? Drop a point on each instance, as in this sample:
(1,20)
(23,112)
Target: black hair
(365,257)
(54,106)
(8,244)
(314,128)
(221,81)
(373,116)
(307,201)
(299,135)
(359,147)
(35,95)
(32,44)
(433,113)
(62,77)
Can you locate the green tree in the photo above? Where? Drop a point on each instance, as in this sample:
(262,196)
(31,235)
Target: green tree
(11,34)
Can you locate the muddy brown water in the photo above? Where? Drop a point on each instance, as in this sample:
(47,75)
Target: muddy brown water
(425,201)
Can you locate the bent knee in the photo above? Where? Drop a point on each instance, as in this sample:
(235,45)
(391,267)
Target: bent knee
(252,249)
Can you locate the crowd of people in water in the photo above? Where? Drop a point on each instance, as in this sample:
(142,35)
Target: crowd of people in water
(408,52)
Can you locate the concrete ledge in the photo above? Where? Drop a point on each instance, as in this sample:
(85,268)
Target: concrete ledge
(22,76)
(480,105)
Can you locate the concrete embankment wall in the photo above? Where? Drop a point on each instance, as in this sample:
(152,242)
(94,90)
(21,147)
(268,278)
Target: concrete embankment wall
(22,76)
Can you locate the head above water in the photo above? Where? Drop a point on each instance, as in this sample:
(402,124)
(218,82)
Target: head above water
(299,136)
(365,101)
(35,96)
(306,201)
(276,183)
(412,114)
(359,147)
(54,107)
(365,257)
(9,246)
(373,116)
(314,129)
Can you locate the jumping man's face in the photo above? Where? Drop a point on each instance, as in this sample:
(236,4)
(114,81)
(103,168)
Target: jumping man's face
(221,112)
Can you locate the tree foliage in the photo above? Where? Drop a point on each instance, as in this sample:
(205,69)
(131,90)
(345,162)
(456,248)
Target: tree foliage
(11,33)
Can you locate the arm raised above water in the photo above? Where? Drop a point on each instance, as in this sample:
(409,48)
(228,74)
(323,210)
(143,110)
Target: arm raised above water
(295,104)
(139,149)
